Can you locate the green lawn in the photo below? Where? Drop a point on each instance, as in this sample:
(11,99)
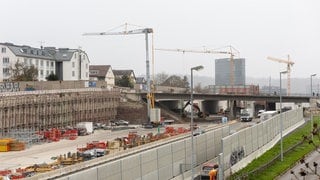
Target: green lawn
(290,158)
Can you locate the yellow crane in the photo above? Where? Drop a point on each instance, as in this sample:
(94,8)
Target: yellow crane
(146,31)
(208,51)
(289,64)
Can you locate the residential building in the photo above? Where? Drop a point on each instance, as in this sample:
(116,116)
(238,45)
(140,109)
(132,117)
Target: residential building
(119,73)
(223,71)
(67,64)
(141,84)
(101,73)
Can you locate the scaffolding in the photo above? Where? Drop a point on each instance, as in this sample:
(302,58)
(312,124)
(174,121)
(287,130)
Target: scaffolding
(23,114)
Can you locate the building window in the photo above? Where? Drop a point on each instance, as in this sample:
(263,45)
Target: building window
(25,61)
(47,63)
(87,74)
(3,50)
(75,55)
(37,62)
(41,73)
(6,71)
(93,72)
(52,64)
(52,72)
(47,72)
(41,63)
(30,61)
(5,60)
(73,74)
(73,64)
(87,66)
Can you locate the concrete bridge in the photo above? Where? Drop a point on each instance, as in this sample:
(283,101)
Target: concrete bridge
(230,97)
(211,103)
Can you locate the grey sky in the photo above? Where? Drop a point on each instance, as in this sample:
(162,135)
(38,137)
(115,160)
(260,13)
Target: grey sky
(256,28)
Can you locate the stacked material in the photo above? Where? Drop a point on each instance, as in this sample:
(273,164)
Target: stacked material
(70,134)
(9,144)
(16,146)
(4,144)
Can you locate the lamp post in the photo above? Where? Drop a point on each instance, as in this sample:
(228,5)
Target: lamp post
(311,83)
(281,123)
(311,116)
(197,68)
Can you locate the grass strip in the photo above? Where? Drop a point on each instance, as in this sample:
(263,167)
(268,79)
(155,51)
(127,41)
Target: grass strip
(289,158)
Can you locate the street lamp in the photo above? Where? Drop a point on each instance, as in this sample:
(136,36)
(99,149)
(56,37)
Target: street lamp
(281,123)
(197,68)
(311,116)
(311,83)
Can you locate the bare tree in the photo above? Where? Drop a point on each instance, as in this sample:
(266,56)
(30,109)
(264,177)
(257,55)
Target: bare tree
(21,72)
(176,81)
(161,78)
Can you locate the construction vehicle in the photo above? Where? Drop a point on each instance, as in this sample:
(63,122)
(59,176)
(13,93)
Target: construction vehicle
(200,114)
(289,64)
(230,52)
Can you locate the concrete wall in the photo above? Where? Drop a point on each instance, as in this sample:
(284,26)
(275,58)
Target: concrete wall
(242,147)
(172,160)
(50,85)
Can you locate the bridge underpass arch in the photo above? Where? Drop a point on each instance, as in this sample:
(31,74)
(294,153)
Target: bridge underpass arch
(212,106)
(207,106)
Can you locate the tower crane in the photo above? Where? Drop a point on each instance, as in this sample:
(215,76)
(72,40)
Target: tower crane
(289,64)
(207,51)
(145,31)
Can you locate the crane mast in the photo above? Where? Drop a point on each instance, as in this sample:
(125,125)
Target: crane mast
(289,64)
(146,31)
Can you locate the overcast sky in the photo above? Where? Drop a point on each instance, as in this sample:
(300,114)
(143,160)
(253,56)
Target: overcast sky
(257,29)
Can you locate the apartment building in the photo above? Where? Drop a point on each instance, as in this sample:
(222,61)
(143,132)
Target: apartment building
(67,64)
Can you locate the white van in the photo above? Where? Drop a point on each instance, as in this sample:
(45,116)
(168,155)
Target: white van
(267,115)
(260,112)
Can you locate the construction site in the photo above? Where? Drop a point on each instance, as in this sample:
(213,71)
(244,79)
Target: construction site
(31,116)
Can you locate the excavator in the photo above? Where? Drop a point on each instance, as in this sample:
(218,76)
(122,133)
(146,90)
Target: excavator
(200,114)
